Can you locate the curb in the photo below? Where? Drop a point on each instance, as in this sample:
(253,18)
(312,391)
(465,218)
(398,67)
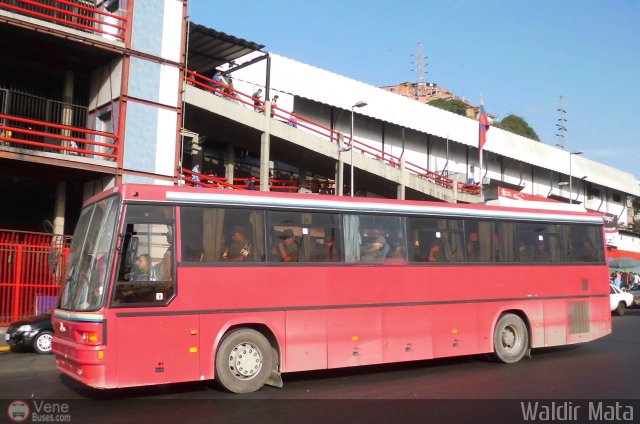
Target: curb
(4,348)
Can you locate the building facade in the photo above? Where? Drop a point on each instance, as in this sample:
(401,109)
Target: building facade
(89,98)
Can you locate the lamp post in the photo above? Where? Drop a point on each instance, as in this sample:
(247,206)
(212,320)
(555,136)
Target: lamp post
(570,176)
(358,104)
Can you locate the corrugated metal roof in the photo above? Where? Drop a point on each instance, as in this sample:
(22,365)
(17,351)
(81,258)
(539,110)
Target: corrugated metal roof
(209,48)
(326,87)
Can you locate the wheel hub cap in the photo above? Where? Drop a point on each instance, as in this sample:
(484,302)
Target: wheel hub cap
(44,342)
(508,338)
(245,361)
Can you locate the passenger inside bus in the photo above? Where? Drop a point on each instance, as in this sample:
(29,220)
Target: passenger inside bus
(473,254)
(165,267)
(540,253)
(582,250)
(240,249)
(524,253)
(323,248)
(375,251)
(436,253)
(288,249)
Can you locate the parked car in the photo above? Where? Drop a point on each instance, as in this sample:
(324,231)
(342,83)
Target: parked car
(34,332)
(635,292)
(619,300)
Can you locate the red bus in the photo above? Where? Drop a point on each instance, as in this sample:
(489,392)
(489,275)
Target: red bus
(173,284)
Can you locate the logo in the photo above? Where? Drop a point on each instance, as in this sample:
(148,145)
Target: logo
(18,411)
(62,328)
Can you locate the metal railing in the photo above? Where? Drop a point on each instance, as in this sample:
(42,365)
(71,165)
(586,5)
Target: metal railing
(48,137)
(333,136)
(42,124)
(84,15)
(25,105)
(31,270)
(202,180)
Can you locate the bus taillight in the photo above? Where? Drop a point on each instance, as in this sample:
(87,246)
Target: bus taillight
(89,337)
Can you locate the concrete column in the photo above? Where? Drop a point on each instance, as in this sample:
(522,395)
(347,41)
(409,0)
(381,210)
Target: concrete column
(265,147)
(339,186)
(230,163)
(402,185)
(59,208)
(67,110)
(454,190)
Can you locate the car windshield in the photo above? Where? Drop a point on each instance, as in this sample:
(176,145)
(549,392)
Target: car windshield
(89,257)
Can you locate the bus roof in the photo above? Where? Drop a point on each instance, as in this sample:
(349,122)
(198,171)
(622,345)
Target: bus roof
(209,196)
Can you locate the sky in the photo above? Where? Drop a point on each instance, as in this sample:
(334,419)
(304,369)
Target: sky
(519,55)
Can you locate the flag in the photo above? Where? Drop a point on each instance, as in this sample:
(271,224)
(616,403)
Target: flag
(484,127)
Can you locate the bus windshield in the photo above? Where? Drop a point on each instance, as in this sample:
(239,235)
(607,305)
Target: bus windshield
(89,257)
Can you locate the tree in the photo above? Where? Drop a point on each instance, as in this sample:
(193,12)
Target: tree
(452,105)
(517,125)
(635,204)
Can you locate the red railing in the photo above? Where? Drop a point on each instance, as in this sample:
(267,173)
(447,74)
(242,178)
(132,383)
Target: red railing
(201,180)
(77,14)
(28,284)
(21,132)
(333,136)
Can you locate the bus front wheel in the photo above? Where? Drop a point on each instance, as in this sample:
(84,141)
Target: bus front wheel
(243,361)
(510,339)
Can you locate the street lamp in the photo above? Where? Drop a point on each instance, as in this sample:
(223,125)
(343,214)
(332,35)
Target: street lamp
(358,104)
(570,182)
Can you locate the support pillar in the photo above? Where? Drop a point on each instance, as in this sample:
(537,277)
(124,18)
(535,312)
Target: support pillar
(59,208)
(339,185)
(402,185)
(265,147)
(230,163)
(454,192)
(67,111)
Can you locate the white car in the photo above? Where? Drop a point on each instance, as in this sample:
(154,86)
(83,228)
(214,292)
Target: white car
(619,300)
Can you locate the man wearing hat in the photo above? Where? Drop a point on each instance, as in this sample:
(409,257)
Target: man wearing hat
(288,248)
(374,251)
(240,248)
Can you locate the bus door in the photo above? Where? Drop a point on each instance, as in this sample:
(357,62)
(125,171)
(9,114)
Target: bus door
(154,343)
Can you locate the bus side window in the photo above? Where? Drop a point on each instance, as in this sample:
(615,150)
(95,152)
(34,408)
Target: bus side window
(149,278)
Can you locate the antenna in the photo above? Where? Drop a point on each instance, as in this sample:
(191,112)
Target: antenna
(562,121)
(420,68)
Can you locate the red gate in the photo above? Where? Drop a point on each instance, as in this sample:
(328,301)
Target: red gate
(28,284)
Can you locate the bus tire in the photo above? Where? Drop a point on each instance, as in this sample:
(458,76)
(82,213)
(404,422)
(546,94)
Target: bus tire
(510,339)
(243,361)
(620,309)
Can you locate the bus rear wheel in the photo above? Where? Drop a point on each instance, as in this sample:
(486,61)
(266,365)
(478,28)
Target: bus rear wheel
(243,361)
(510,339)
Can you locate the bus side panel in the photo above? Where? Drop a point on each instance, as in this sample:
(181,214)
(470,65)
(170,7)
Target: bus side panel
(157,349)
(600,317)
(588,319)
(455,329)
(406,333)
(306,345)
(556,322)
(354,337)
